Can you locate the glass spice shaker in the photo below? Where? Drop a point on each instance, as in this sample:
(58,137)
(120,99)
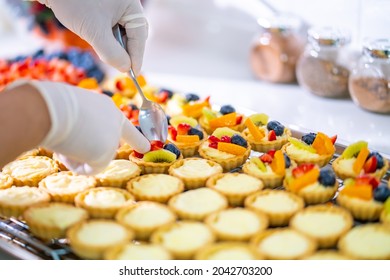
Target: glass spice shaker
(369,83)
(322,69)
(276,50)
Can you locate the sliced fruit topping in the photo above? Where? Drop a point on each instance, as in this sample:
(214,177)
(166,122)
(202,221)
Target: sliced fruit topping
(259,119)
(370,165)
(379,158)
(172,148)
(363,192)
(239,140)
(367,180)
(172,132)
(278,165)
(267,158)
(187,138)
(176,120)
(192,97)
(360,160)
(309,138)
(302,169)
(227,109)
(156,145)
(271,135)
(183,128)
(306,179)
(213,139)
(301,145)
(213,145)
(259,164)
(137,154)
(287,160)
(382,193)
(195,131)
(354,149)
(239,119)
(226,139)
(333,139)
(222,131)
(225,120)
(231,148)
(323,144)
(209,114)
(158,156)
(164,91)
(195,110)
(276,126)
(271,153)
(254,130)
(327,177)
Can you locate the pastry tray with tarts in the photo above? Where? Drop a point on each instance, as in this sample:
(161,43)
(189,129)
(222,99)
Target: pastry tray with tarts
(17,241)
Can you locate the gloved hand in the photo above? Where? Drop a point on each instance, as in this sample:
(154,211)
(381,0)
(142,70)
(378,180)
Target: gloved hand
(86,127)
(93,20)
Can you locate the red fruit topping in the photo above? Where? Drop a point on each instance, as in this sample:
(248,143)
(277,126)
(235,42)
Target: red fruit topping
(226,139)
(173,132)
(370,165)
(213,139)
(302,169)
(367,180)
(138,155)
(162,97)
(271,135)
(333,139)
(238,119)
(183,128)
(213,145)
(156,145)
(271,153)
(266,158)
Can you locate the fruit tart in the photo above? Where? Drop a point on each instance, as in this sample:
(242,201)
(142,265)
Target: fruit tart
(314,184)
(270,167)
(265,135)
(364,197)
(385,215)
(315,148)
(118,173)
(186,134)
(190,105)
(5,181)
(158,159)
(226,147)
(228,251)
(357,160)
(226,116)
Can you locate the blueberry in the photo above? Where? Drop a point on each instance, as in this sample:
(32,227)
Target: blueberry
(238,140)
(108,93)
(139,128)
(194,131)
(276,126)
(168,119)
(381,193)
(38,54)
(134,107)
(327,177)
(287,161)
(172,148)
(192,97)
(58,54)
(227,109)
(379,159)
(96,73)
(169,92)
(309,138)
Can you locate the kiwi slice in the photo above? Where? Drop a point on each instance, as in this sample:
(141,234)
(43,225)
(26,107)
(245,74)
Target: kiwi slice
(176,120)
(208,113)
(354,149)
(301,145)
(259,163)
(159,156)
(259,119)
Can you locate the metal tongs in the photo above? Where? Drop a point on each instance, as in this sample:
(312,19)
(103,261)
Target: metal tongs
(152,118)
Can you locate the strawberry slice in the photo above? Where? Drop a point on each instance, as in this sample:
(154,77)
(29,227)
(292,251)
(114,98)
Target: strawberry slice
(302,169)
(367,180)
(271,153)
(370,165)
(226,139)
(266,158)
(213,139)
(138,155)
(213,145)
(271,135)
(183,128)
(172,132)
(239,119)
(333,139)
(156,145)
(163,97)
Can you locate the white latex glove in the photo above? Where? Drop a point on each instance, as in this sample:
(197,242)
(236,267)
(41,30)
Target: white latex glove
(86,127)
(93,20)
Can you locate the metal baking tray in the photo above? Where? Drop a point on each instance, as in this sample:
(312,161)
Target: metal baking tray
(17,241)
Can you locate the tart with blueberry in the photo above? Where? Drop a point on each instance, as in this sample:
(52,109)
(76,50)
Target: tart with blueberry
(226,116)
(226,147)
(357,160)
(228,251)
(265,135)
(158,159)
(314,184)
(315,148)
(364,197)
(186,134)
(270,167)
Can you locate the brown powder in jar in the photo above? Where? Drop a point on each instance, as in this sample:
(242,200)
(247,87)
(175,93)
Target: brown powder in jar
(323,77)
(370,93)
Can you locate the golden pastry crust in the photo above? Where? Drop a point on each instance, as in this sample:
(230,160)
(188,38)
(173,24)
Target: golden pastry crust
(15,200)
(236,224)
(65,185)
(118,173)
(61,166)
(226,163)
(197,204)
(284,244)
(265,145)
(362,210)
(45,152)
(235,186)
(33,152)
(325,224)
(137,252)
(51,220)
(152,167)
(279,205)
(183,239)
(145,217)
(367,242)
(317,159)
(90,239)
(29,171)
(155,187)
(194,172)
(344,173)
(124,151)
(6,181)
(228,251)
(205,125)
(103,202)
(327,255)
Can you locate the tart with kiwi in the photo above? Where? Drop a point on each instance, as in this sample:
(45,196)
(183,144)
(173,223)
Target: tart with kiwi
(270,167)
(226,116)
(364,197)
(186,134)
(226,147)
(158,159)
(265,135)
(314,184)
(357,160)
(317,148)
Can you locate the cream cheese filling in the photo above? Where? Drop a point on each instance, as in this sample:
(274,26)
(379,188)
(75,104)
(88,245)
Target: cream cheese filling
(196,168)
(65,183)
(101,233)
(286,244)
(118,169)
(160,184)
(237,221)
(186,237)
(59,216)
(295,152)
(23,195)
(320,224)
(30,167)
(104,198)
(275,203)
(148,215)
(233,183)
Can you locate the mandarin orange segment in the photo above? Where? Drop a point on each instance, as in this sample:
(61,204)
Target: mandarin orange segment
(89,83)
(187,138)
(231,148)
(323,144)
(278,165)
(306,179)
(141,81)
(362,191)
(117,98)
(225,120)
(360,160)
(319,145)
(257,134)
(195,110)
